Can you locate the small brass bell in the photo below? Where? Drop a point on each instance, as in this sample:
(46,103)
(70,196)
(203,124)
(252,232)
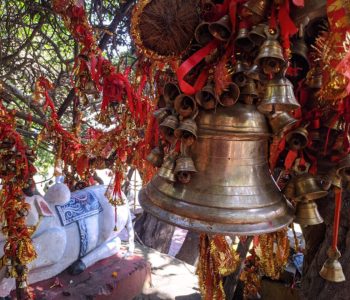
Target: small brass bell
(168,127)
(248,92)
(257,10)
(270,58)
(281,122)
(170,91)
(312,9)
(257,34)
(314,78)
(221,29)
(307,214)
(230,96)
(297,139)
(187,131)
(338,124)
(184,169)
(233,191)
(185,106)
(343,169)
(279,96)
(243,41)
(299,57)
(206,97)
(238,76)
(253,73)
(289,190)
(202,33)
(156,157)
(160,114)
(308,187)
(332,269)
(166,171)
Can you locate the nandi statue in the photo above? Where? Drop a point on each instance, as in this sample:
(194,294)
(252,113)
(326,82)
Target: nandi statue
(74,230)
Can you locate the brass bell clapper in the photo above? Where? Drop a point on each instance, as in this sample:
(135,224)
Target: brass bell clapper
(332,269)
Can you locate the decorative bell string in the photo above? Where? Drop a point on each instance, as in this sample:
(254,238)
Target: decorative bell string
(170,91)
(270,58)
(281,123)
(168,127)
(184,169)
(206,97)
(187,131)
(221,29)
(230,95)
(156,157)
(185,106)
(202,33)
(279,96)
(297,139)
(233,191)
(307,214)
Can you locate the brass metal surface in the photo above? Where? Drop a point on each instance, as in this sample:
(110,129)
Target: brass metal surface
(281,122)
(308,187)
(307,214)
(332,269)
(233,191)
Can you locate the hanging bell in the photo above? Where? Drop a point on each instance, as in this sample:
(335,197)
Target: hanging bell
(279,96)
(166,171)
(221,29)
(281,123)
(243,41)
(202,33)
(161,113)
(308,187)
(299,59)
(168,127)
(230,96)
(256,10)
(184,169)
(332,269)
(170,91)
(249,93)
(307,214)
(335,122)
(312,9)
(270,58)
(253,73)
(238,76)
(257,34)
(289,190)
(187,131)
(343,169)
(314,78)
(297,139)
(156,157)
(233,191)
(185,106)
(206,97)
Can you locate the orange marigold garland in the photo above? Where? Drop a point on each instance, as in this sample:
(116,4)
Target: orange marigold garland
(16,171)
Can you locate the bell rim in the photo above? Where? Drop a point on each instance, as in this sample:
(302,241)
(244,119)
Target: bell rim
(220,228)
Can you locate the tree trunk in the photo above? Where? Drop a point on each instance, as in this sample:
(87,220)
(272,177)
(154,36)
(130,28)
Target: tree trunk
(189,250)
(318,239)
(154,233)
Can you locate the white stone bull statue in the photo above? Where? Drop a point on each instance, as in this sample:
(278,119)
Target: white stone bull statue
(75,230)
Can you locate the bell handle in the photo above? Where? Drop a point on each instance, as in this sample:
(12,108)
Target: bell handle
(271,34)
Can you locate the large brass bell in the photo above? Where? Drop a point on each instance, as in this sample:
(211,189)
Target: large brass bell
(257,34)
(170,91)
(185,106)
(230,96)
(307,214)
(270,58)
(206,97)
(233,191)
(297,139)
(184,169)
(343,169)
(248,92)
(243,41)
(166,171)
(308,187)
(279,96)
(168,127)
(202,34)
(281,123)
(156,157)
(332,269)
(256,10)
(187,131)
(221,29)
